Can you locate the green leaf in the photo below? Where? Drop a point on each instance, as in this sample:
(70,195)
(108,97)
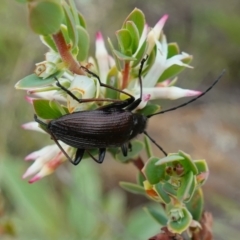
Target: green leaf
(201,165)
(45,16)
(188,163)
(112,80)
(71,26)
(82,21)
(158,214)
(161,192)
(83,43)
(181,224)
(133,188)
(187,187)
(140,54)
(49,42)
(64,31)
(122,56)
(137,147)
(173,50)
(195,205)
(43,109)
(174,70)
(132,28)
(125,41)
(33,81)
(154,174)
(149,109)
(74,11)
(140,178)
(170,189)
(57,107)
(148,146)
(169,159)
(117,62)
(138,18)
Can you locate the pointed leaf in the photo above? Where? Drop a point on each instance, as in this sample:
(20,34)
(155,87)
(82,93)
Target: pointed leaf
(64,31)
(187,187)
(122,56)
(169,159)
(49,42)
(188,163)
(174,70)
(162,193)
(158,214)
(132,28)
(140,54)
(138,18)
(117,62)
(170,189)
(124,41)
(201,165)
(33,81)
(154,174)
(43,109)
(140,178)
(173,50)
(57,107)
(112,80)
(83,43)
(195,205)
(71,26)
(149,109)
(82,21)
(133,188)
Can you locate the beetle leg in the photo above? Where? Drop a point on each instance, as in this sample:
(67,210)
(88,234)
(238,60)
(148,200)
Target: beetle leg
(130,146)
(124,149)
(86,99)
(125,103)
(78,156)
(102,152)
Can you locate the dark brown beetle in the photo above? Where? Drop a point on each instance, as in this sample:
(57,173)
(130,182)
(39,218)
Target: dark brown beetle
(113,125)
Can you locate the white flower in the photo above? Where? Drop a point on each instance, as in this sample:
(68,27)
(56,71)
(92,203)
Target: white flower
(161,63)
(155,33)
(46,161)
(82,87)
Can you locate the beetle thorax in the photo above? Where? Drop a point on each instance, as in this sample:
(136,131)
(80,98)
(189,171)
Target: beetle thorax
(139,124)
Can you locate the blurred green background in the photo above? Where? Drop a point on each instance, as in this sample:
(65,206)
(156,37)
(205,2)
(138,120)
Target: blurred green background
(85,202)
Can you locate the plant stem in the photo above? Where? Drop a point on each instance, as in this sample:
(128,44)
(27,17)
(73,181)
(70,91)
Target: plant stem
(138,163)
(66,55)
(125,74)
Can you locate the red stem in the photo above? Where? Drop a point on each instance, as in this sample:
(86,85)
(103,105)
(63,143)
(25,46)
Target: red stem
(125,74)
(138,163)
(66,55)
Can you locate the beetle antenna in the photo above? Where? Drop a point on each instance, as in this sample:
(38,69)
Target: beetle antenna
(192,100)
(155,143)
(39,121)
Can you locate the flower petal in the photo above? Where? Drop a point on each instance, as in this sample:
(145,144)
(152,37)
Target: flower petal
(36,154)
(154,34)
(32,126)
(102,57)
(170,92)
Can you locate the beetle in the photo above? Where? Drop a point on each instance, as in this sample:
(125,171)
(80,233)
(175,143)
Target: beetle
(112,125)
